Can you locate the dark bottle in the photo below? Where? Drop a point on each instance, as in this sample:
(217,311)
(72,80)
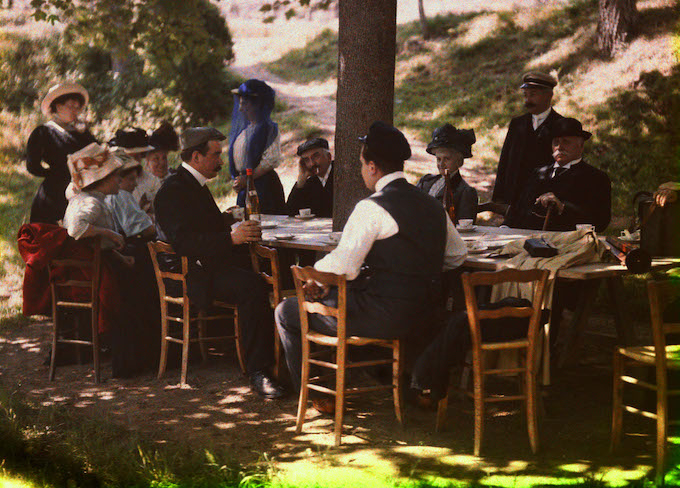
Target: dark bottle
(252,200)
(448,197)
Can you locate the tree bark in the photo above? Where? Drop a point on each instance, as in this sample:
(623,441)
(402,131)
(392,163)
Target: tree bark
(423,20)
(366,60)
(615,25)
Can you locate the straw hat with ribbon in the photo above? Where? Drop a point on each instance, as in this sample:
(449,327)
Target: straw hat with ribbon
(57,91)
(91,164)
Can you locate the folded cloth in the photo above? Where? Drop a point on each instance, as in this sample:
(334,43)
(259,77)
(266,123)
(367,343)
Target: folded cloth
(574,248)
(38,245)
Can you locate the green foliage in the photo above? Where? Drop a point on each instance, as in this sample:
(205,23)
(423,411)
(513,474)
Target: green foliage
(317,61)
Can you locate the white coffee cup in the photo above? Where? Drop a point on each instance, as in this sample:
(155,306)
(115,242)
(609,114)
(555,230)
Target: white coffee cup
(465,223)
(305,212)
(237,212)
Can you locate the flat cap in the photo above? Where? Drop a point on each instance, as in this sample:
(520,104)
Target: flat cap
(387,142)
(195,136)
(536,79)
(317,142)
(448,136)
(569,127)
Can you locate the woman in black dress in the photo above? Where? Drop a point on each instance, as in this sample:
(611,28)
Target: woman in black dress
(52,142)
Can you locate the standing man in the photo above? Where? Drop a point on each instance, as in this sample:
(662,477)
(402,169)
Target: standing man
(314,186)
(193,224)
(527,144)
(393,248)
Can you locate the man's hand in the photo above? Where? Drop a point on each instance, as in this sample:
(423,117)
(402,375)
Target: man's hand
(247,231)
(239,183)
(305,170)
(549,198)
(667,193)
(117,239)
(314,291)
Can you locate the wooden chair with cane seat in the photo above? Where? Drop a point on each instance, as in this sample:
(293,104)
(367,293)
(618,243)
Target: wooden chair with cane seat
(660,356)
(88,268)
(528,348)
(186,318)
(259,253)
(338,345)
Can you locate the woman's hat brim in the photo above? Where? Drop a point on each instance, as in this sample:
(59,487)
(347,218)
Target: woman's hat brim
(59,90)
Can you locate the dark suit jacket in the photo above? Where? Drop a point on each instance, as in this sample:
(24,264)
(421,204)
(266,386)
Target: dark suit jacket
(191,222)
(313,195)
(464,196)
(584,190)
(523,150)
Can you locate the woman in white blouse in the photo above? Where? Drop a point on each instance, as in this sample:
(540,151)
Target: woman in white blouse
(255,143)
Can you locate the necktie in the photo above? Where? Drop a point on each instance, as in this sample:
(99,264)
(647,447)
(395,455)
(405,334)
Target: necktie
(559,171)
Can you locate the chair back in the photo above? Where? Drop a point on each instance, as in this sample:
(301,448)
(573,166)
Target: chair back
(259,253)
(159,247)
(538,277)
(661,294)
(77,273)
(301,276)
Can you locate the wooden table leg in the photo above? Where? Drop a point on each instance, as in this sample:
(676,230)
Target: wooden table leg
(624,328)
(569,353)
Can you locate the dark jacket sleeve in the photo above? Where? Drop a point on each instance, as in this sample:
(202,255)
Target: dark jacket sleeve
(35,150)
(179,218)
(595,208)
(501,192)
(309,196)
(467,207)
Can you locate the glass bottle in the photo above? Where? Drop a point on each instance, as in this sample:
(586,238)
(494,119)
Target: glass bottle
(448,197)
(252,200)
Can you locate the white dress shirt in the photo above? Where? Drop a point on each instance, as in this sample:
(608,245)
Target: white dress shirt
(85,209)
(537,120)
(370,222)
(556,166)
(324,179)
(194,172)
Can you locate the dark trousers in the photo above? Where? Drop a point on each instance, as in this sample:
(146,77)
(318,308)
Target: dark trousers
(250,293)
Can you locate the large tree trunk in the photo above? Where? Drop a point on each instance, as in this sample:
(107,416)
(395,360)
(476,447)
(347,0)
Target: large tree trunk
(366,59)
(616,23)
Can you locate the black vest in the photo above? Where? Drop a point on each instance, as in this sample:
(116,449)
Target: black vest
(405,264)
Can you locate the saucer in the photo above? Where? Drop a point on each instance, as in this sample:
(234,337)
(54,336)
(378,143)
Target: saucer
(466,229)
(284,237)
(304,217)
(478,250)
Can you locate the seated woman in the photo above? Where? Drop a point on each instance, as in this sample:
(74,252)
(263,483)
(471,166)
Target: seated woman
(130,220)
(255,143)
(163,140)
(451,146)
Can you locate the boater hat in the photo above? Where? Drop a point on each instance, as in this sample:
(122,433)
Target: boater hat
(387,142)
(536,79)
(92,163)
(569,127)
(132,141)
(62,89)
(319,142)
(448,136)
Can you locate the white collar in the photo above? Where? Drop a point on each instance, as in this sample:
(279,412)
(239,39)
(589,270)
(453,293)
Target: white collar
(324,179)
(387,179)
(53,124)
(568,165)
(540,118)
(194,172)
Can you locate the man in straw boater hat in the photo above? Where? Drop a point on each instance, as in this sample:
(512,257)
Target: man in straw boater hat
(577,192)
(193,224)
(527,143)
(314,186)
(51,143)
(394,246)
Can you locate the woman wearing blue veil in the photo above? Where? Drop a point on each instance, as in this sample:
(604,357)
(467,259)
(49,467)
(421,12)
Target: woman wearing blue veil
(254,143)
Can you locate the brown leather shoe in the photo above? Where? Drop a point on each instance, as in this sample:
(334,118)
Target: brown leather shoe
(324,405)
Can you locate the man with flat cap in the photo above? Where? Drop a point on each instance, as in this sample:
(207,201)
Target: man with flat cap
(577,192)
(527,143)
(393,248)
(314,186)
(192,223)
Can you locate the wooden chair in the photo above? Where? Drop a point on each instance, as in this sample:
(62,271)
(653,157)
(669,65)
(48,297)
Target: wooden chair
(338,344)
(259,253)
(660,356)
(528,348)
(186,318)
(92,268)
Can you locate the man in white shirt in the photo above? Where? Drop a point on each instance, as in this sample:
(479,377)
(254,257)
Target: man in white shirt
(393,248)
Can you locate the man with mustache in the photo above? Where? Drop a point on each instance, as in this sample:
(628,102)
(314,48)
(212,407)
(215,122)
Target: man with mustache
(577,192)
(192,223)
(527,143)
(314,186)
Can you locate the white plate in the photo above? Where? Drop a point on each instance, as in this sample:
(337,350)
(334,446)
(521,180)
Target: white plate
(284,237)
(305,217)
(466,229)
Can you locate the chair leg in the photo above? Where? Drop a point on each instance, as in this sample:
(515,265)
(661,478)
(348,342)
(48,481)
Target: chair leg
(185,351)
(163,360)
(532,418)
(479,406)
(277,355)
(661,428)
(237,338)
(442,406)
(95,345)
(396,382)
(304,380)
(617,402)
(55,333)
(202,337)
(76,334)
(340,393)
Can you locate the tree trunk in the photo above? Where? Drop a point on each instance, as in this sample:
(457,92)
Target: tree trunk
(366,60)
(616,23)
(423,20)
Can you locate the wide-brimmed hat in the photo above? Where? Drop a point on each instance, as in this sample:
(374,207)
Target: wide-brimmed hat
(62,89)
(132,141)
(317,142)
(92,163)
(387,142)
(128,162)
(569,127)
(164,138)
(536,79)
(448,136)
